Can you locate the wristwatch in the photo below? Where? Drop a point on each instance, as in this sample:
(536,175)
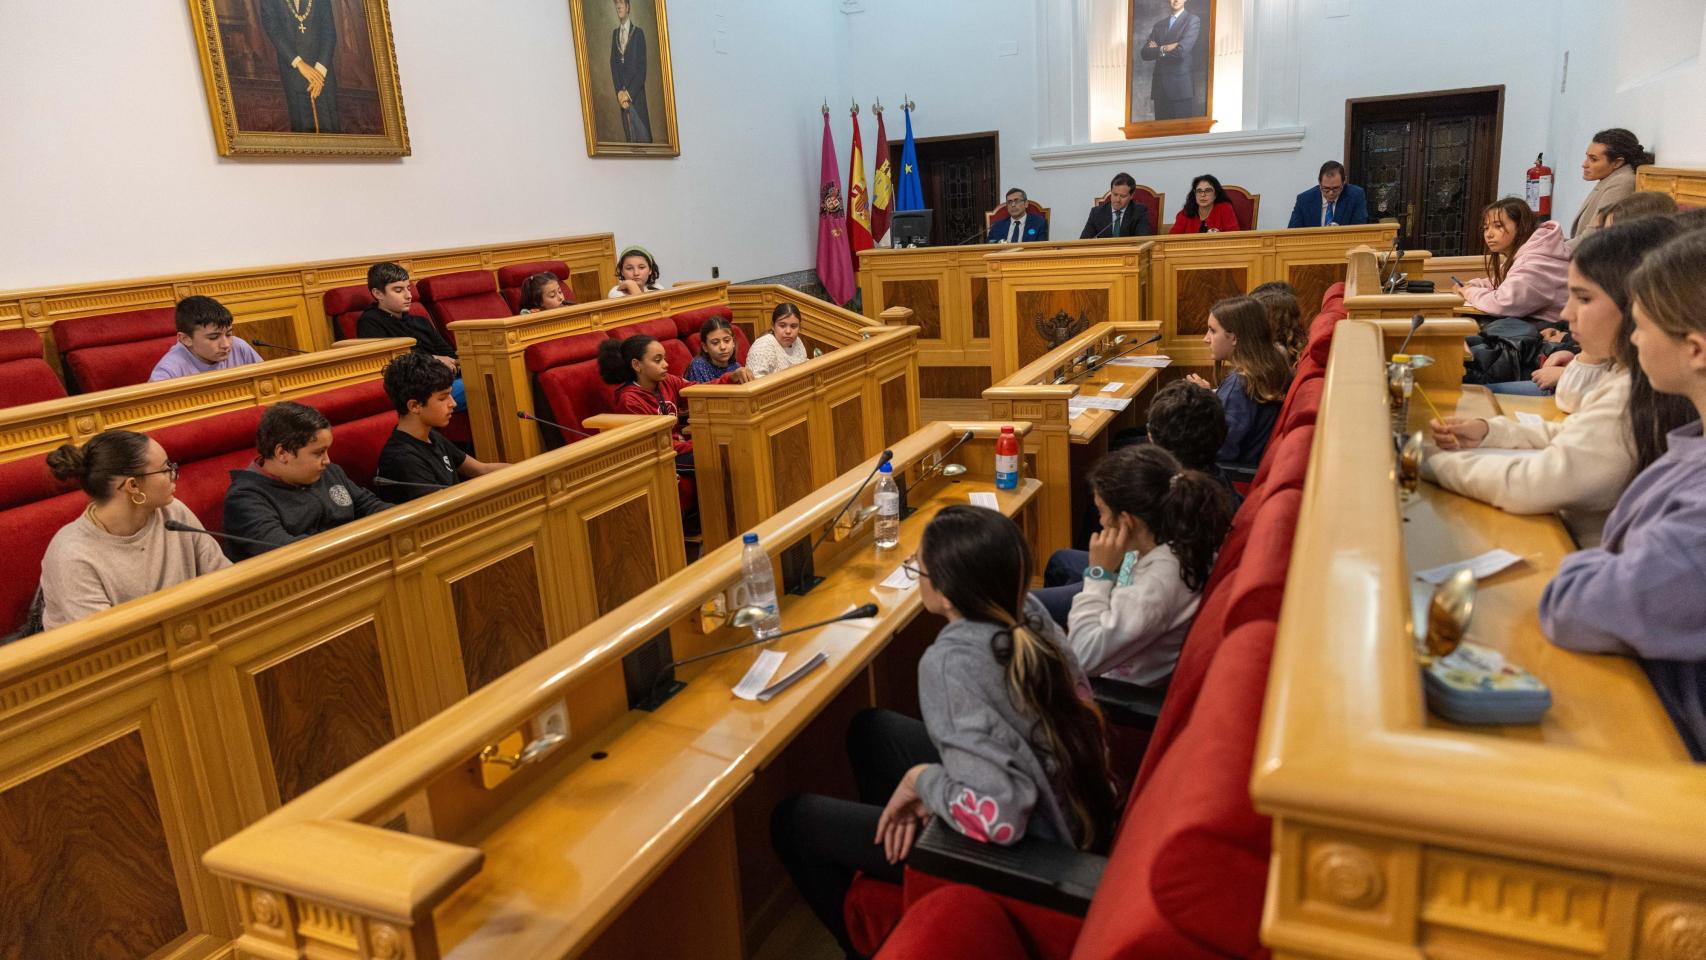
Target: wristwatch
(1098,572)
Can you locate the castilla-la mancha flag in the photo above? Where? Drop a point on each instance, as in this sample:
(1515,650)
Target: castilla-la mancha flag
(858,202)
(834,262)
(882,182)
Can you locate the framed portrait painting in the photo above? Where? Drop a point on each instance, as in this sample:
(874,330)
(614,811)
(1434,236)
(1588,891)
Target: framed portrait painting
(1169,68)
(627,88)
(304,78)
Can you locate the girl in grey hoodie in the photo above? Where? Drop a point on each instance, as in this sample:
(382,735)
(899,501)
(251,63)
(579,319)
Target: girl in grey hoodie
(1010,742)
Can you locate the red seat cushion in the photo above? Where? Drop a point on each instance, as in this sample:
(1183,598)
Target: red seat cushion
(106,330)
(20,344)
(575,392)
(29,529)
(467,295)
(345,305)
(667,330)
(1257,586)
(29,380)
(1243,206)
(956,922)
(120,365)
(563,351)
(511,277)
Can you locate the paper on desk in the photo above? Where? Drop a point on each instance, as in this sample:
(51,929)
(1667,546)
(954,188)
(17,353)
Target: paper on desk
(1112,385)
(765,667)
(1156,360)
(1098,403)
(983,498)
(1482,566)
(1523,416)
(898,580)
(818,659)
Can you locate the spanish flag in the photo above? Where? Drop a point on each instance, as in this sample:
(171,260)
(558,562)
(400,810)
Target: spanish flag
(882,184)
(858,203)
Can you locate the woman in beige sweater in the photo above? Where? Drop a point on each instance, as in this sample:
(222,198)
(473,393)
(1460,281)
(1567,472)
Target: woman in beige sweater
(119,549)
(1584,462)
(1610,165)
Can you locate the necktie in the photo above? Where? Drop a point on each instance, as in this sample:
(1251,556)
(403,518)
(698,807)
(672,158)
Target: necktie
(1116,230)
(1013,232)
(1327,217)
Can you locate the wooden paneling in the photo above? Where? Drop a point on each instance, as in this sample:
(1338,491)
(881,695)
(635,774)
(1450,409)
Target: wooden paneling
(588,285)
(498,619)
(847,424)
(965,382)
(324,709)
(790,457)
(897,418)
(979,307)
(1200,288)
(1044,305)
(925,299)
(725,468)
(1311,281)
(624,560)
(84,866)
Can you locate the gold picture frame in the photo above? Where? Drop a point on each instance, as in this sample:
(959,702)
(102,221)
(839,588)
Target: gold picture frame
(264,105)
(1145,19)
(645,126)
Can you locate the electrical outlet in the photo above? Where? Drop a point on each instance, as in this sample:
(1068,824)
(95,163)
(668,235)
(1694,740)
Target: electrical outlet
(552,719)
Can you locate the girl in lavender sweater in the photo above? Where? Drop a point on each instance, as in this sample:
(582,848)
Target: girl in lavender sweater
(1638,593)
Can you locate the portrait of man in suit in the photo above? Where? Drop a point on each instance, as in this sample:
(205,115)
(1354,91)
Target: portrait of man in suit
(628,74)
(304,36)
(1172,47)
(627,100)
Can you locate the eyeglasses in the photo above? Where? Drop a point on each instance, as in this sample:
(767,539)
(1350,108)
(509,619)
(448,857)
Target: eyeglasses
(170,469)
(910,567)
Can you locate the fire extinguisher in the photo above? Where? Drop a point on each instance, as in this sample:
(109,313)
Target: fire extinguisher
(1540,188)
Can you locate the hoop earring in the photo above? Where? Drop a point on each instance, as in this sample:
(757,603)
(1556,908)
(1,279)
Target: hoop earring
(135,502)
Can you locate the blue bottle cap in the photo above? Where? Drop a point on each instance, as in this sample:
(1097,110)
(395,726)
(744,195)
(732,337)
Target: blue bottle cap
(749,538)
(885,468)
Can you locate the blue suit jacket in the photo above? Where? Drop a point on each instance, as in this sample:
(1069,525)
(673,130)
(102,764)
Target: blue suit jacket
(1036,228)
(1352,208)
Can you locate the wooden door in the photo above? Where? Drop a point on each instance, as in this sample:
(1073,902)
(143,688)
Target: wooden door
(1429,161)
(961,177)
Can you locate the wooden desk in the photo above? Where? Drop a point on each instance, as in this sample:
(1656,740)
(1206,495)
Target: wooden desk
(644,831)
(1397,836)
(1365,298)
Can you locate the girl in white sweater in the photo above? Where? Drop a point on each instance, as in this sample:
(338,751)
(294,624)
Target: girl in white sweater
(1161,527)
(1586,460)
(782,347)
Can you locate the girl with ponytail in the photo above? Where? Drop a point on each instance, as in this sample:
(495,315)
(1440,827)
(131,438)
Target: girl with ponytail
(639,370)
(1161,528)
(1010,743)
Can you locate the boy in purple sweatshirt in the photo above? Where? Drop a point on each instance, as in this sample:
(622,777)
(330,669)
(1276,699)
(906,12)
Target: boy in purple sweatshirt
(1638,593)
(205,342)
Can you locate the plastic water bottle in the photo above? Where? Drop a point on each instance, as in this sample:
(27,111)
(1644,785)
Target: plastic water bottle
(760,586)
(1007,460)
(888,509)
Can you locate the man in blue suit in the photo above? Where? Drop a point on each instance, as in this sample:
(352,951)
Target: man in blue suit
(1331,202)
(1172,44)
(628,75)
(1017,226)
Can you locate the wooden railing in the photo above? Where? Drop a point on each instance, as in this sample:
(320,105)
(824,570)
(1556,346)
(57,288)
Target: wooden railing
(1365,297)
(644,833)
(134,739)
(282,303)
(1397,834)
(823,325)
(1686,186)
(39,427)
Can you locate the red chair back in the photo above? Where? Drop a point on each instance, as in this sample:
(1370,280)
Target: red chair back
(1245,205)
(115,349)
(512,276)
(27,376)
(345,305)
(467,295)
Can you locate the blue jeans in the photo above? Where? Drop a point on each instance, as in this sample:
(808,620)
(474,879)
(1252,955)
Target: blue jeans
(1520,388)
(1063,578)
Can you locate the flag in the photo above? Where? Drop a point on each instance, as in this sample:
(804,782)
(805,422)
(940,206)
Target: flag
(834,265)
(911,187)
(882,182)
(858,202)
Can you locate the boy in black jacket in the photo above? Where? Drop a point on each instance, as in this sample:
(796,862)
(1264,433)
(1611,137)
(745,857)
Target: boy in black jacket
(293,489)
(416,456)
(390,317)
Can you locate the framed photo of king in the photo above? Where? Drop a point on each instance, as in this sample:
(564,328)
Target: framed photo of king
(1169,68)
(301,78)
(627,87)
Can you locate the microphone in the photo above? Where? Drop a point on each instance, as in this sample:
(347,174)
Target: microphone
(177,527)
(1105,229)
(1415,324)
(885,458)
(868,610)
(975,236)
(523,414)
(277,346)
(649,695)
(1101,362)
(379,481)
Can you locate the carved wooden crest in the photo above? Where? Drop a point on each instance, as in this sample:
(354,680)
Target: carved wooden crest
(1061,327)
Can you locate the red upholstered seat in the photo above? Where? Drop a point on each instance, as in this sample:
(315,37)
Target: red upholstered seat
(1258,584)
(25,375)
(1244,205)
(956,922)
(511,277)
(566,374)
(345,305)
(666,330)
(115,349)
(468,295)
(687,326)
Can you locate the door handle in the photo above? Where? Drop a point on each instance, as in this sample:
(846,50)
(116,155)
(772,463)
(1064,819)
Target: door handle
(1410,218)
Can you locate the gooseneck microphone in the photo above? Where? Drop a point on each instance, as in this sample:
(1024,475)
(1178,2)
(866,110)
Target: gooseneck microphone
(868,610)
(1415,324)
(177,527)
(379,481)
(524,415)
(1090,368)
(277,346)
(885,458)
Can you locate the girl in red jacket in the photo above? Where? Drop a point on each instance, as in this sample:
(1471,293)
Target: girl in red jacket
(1207,209)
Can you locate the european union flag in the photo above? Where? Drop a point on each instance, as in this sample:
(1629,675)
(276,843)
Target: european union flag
(911,194)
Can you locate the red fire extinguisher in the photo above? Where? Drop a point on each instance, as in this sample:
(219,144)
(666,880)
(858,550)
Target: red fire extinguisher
(1540,188)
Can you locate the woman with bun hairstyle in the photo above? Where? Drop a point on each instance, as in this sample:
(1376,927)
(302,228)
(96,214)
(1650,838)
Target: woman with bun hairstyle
(119,549)
(1610,165)
(636,273)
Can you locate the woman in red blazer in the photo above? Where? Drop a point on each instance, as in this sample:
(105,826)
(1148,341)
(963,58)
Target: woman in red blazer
(1207,209)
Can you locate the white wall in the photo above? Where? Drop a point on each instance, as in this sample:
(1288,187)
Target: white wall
(108,168)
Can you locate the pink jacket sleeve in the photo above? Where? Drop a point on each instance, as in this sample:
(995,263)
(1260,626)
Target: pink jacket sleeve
(1536,284)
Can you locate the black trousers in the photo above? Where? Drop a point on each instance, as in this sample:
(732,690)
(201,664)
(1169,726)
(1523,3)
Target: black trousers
(824,840)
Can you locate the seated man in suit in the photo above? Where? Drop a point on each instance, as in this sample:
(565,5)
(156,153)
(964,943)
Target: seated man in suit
(1118,217)
(1017,227)
(1331,202)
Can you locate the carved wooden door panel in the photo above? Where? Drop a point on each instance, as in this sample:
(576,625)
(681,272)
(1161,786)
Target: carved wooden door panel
(1430,162)
(961,179)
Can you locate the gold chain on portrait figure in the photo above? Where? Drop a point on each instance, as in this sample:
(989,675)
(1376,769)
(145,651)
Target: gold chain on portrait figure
(300,14)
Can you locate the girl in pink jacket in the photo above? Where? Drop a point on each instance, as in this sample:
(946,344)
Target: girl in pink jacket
(1527,265)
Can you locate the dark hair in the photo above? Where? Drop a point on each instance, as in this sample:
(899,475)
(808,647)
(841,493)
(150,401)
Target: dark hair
(289,425)
(533,290)
(1331,166)
(1189,422)
(1622,145)
(1122,179)
(978,559)
(1691,219)
(382,275)
(1190,207)
(1613,259)
(1013,190)
(200,311)
(652,282)
(712,325)
(1285,316)
(1639,205)
(1266,374)
(1187,510)
(1521,217)
(415,376)
(616,358)
(102,463)
(785,309)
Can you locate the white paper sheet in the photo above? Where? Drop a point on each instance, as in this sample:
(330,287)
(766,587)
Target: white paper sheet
(1483,566)
(757,678)
(898,580)
(1112,385)
(1523,416)
(1097,403)
(1157,360)
(983,498)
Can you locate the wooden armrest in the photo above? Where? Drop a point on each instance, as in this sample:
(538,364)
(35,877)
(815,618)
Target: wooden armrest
(1049,875)
(1128,704)
(610,421)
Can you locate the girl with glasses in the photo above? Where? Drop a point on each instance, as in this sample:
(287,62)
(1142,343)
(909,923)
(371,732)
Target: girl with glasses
(119,548)
(1207,209)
